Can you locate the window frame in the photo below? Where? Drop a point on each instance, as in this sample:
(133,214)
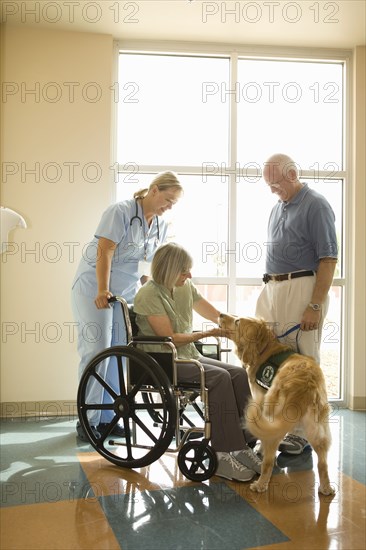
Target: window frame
(234,53)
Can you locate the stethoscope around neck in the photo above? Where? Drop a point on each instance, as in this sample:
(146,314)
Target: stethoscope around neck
(137,218)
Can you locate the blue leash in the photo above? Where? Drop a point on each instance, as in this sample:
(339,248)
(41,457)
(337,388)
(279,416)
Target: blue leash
(296,327)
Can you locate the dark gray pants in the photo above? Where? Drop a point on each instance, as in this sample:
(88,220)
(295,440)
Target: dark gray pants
(228,394)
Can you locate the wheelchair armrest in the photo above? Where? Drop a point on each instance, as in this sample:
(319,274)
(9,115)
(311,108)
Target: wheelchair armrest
(209,347)
(147,339)
(211,343)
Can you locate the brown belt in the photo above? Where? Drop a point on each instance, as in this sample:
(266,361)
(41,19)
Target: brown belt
(286,276)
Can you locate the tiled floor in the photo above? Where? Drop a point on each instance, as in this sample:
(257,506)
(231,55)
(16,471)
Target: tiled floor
(57,493)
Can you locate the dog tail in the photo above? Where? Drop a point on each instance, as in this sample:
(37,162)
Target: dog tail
(262,422)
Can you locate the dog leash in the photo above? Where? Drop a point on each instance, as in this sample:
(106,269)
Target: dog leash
(296,327)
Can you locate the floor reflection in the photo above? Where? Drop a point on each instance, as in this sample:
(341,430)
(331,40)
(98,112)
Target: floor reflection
(65,495)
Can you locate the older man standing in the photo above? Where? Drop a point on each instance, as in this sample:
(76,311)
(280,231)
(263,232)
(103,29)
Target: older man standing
(300,263)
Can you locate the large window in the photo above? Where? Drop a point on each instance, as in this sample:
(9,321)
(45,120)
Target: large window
(215,119)
(165,119)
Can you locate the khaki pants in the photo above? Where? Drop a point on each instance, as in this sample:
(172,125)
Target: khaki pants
(283,303)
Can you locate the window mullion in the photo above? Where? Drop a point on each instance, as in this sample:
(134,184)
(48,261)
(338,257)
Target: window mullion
(233,155)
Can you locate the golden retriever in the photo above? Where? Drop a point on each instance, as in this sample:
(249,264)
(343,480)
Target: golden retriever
(297,396)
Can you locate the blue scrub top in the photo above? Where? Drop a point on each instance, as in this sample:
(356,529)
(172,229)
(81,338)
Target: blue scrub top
(134,241)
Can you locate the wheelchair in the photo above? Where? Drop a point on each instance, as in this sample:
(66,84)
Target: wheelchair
(149,402)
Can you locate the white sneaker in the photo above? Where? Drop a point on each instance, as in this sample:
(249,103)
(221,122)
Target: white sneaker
(230,468)
(248,458)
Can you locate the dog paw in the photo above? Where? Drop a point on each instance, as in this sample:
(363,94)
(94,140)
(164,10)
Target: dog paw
(258,487)
(327,490)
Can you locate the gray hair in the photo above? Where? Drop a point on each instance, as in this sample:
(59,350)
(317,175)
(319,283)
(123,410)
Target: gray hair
(164,181)
(169,262)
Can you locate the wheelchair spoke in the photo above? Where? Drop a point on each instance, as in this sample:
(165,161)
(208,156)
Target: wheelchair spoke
(109,428)
(98,407)
(106,386)
(144,428)
(194,467)
(147,406)
(139,384)
(122,385)
(128,444)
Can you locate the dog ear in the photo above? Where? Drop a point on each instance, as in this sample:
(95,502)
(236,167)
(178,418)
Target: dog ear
(265,334)
(253,338)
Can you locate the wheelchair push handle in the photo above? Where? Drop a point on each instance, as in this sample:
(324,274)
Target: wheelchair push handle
(119,299)
(114,299)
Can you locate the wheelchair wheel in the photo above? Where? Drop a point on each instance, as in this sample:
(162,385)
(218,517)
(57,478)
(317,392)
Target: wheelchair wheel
(123,404)
(197,460)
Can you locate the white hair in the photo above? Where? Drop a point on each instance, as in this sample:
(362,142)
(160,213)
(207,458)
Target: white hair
(284,164)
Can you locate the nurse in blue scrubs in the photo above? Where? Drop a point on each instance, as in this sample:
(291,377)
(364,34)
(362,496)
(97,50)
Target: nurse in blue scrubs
(115,263)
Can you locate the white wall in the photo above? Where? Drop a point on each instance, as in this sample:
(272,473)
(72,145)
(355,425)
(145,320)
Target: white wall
(357,319)
(51,127)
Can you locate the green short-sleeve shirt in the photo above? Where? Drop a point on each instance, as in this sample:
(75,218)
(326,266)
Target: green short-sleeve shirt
(154,299)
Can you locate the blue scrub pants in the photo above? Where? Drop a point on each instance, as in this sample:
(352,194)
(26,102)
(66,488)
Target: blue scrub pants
(98,329)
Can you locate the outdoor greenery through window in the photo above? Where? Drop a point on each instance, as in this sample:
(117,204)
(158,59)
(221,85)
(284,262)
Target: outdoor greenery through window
(215,119)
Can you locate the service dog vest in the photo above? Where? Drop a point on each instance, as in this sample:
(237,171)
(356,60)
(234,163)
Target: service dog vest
(268,370)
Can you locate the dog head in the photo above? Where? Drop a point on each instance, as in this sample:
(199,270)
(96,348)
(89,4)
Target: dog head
(250,336)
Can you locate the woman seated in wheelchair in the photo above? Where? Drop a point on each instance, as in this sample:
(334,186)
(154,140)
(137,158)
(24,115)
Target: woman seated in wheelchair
(164,307)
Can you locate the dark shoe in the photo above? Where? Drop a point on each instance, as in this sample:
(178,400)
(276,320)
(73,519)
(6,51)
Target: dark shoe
(118,431)
(82,435)
(293,444)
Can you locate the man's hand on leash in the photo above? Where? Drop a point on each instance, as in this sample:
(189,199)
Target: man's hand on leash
(310,319)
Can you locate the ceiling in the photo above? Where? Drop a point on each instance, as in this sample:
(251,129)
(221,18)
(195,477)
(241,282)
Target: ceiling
(303,23)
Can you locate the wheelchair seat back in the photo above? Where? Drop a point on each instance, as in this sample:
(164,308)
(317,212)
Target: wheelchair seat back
(132,316)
